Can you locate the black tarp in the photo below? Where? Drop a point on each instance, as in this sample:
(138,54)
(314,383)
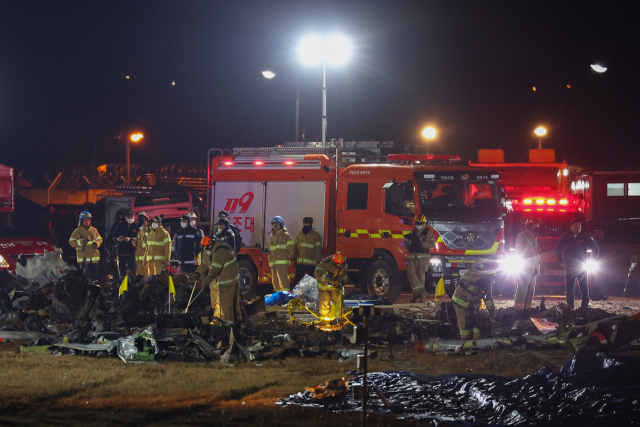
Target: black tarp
(589,390)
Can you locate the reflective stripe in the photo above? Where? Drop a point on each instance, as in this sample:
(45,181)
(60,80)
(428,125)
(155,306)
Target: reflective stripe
(228,263)
(306,261)
(224,282)
(476,330)
(215,264)
(465,332)
(167,240)
(281,262)
(471,288)
(290,243)
(488,304)
(460,302)
(307,245)
(158,257)
(419,255)
(188,262)
(274,248)
(92,259)
(140,258)
(189,236)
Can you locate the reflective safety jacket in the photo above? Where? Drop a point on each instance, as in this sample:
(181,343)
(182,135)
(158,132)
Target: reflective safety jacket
(307,249)
(187,244)
(280,248)
(220,265)
(472,288)
(142,246)
(329,275)
(159,243)
(88,252)
(528,251)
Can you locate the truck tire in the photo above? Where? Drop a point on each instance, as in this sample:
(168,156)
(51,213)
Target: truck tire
(248,279)
(382,279)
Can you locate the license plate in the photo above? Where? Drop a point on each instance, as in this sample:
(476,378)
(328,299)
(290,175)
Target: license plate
(462,272)
(554,272)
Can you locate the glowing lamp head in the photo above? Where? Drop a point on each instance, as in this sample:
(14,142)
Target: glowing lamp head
(429,132)
(136,137)
(591,265)
(268,74)
(540,131)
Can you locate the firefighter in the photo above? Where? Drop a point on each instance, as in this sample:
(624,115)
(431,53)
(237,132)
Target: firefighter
(307,250)
(280,253)
(331,275)
(225,234)
(193,220)
(124,232)
(528,251)
(225,215)
(187,245)
(219,270)
(140,242)
(418,242)
(86,240)
(572,252)
(473,288)
(159,247)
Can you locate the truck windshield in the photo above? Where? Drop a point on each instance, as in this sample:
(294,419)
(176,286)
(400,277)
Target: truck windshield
(12,227)
(459,198)
(554,224)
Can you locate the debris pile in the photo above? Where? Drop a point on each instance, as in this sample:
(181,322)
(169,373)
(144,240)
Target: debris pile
(588,388)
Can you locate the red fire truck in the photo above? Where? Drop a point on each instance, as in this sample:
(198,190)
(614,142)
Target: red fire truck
(537,189)
(15,237)
(361,209)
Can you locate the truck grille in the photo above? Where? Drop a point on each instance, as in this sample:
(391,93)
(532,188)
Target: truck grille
(473,236)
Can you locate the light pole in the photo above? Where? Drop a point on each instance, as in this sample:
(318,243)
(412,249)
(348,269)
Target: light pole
(269,75)
(336,50)
(540,131)
(429,133)
(135,137)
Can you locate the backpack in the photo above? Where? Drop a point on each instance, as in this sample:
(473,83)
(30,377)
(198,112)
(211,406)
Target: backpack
(236,233)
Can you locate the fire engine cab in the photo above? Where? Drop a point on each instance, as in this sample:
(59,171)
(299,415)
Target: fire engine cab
(361,209)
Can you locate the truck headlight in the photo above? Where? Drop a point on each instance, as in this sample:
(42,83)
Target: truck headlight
(3,262)
(591,265)
(512,264)
(436,265)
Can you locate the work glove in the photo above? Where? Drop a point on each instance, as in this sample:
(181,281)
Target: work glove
(196,275)
(205,286)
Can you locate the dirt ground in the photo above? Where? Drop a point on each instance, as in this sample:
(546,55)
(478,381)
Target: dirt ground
(81,390)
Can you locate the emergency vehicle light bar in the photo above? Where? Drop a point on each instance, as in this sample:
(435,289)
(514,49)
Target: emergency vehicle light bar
(263,163)
(542,202)
(417,158)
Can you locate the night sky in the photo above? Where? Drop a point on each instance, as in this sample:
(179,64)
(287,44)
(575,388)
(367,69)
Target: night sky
(467,67)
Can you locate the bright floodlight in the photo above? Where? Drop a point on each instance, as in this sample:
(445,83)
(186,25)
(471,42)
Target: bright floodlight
(335,50)
(540,131)
(429,132)
(268,74)
(311,50)
(136,137)
(598,68)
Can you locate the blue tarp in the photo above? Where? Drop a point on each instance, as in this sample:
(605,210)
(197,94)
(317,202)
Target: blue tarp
(588,390)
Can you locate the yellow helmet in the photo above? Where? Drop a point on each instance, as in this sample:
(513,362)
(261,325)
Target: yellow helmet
(421,218)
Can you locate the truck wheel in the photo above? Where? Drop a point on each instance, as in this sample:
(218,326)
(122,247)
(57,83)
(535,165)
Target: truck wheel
(248,279)
(382,280)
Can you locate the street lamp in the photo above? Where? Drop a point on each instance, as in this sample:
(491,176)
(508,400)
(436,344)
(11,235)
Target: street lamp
(134,137)
(269,75)
(336,50)
(540,131)
(429,133)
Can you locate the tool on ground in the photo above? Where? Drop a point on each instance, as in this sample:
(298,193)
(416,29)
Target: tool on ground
(626,284)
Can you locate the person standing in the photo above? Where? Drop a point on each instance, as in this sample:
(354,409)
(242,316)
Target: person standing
(86,240)
(193,221)
(418,242)
(219,273)
(159,247)
(124,232)
(225,235)
(307,250)
(573,250)
(528,251)
(473,288)
(280,252)
(331,276)
(187,245)
(140,242)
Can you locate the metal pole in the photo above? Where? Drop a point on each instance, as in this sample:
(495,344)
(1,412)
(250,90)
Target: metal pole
(297,110)
(364,370)
(128,162)
(539,143)
(324,104)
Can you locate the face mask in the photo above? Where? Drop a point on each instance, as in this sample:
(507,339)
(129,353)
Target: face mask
(420,227)
(183,224)
(208,252)
(154,225)
(129,220)
(193,222)
(306,229)
(142,227)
